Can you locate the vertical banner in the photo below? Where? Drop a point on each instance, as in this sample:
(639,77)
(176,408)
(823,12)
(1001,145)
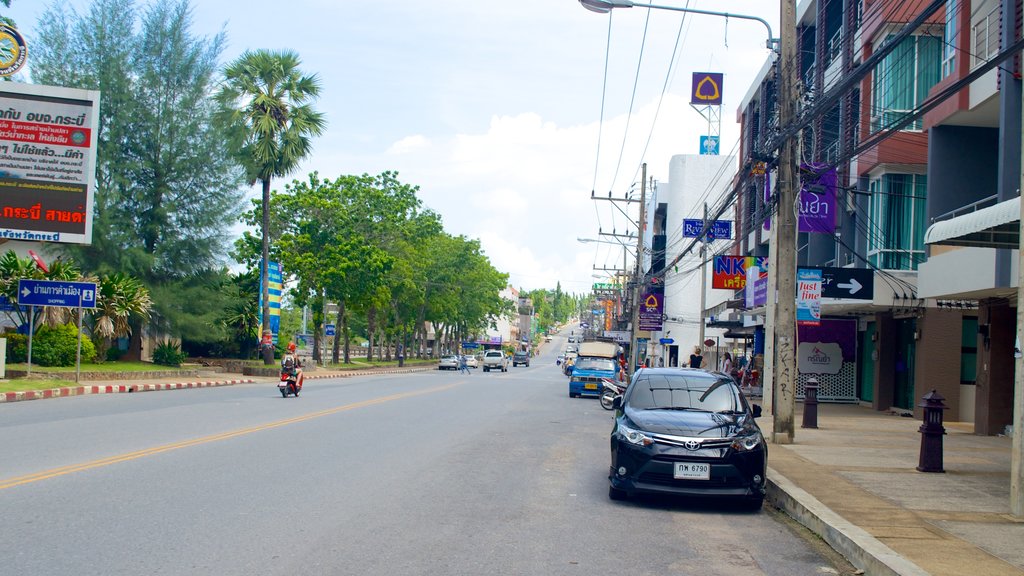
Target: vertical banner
(608,309)
(817,198)
(275,286)
(808,300)
(651,311)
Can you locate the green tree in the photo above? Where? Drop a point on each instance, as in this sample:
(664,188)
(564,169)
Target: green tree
(120,298)
(266,108)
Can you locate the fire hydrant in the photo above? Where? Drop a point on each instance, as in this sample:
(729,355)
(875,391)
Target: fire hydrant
(931,433)
(810,404)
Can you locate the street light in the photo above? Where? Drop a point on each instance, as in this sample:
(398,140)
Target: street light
(606,6)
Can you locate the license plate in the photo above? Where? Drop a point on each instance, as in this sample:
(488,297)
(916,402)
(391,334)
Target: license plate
(692,471)
(590,386)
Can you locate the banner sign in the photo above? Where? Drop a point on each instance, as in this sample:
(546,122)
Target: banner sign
(730,272)
(47,162)
(808,300)
(56,293)
(706,88)
(651,306)
(275,286)
(608,314)
(817,198)
(709,145)
(755,293)
(717,229)
(819,358)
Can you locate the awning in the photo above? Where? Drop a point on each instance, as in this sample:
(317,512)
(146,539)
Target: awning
(992,227)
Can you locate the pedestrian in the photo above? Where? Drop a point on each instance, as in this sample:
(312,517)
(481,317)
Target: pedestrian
(463,367)
(696,358)
(727,365)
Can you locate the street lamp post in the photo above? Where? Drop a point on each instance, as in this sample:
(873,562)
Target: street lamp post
(606,6)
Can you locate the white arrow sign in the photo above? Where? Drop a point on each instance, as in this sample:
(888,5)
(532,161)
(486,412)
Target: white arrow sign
(25,292)
(853,286)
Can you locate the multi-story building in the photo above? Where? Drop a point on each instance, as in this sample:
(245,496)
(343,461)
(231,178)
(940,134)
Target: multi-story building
(881,169)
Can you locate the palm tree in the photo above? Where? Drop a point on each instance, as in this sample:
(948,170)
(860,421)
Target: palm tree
(119,298)
(266,108)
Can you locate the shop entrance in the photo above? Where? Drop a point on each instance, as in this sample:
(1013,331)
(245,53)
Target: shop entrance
(906,346)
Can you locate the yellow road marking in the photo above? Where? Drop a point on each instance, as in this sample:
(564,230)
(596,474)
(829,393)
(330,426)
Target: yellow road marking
(64,470)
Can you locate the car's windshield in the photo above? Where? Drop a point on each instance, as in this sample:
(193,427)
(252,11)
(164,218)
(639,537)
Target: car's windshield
(586,363)
(683,391)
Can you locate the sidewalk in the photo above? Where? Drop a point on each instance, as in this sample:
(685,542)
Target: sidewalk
(854,482)
(206,378)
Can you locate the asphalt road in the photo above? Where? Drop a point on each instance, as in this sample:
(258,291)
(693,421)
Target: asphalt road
(424,473)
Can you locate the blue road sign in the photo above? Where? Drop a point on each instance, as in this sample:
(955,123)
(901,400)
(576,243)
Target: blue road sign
(329,330)
(666,341)
(56,293)
(718,229)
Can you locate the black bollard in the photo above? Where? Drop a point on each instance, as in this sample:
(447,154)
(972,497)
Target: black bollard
(931,433)
(810,404)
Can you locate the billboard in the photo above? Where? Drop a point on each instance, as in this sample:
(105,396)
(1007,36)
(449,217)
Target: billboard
(275,287)
(730,272)
(651,308)
(706,88)
(817,198)
(47,162)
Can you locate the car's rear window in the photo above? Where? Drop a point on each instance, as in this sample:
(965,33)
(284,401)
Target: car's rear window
(681,391)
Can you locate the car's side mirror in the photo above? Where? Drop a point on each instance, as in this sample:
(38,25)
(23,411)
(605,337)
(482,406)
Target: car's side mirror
(756,410)
(617,403)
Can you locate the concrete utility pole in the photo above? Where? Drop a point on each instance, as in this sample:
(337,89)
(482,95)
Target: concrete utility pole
(703,278)
(785,377)
(637,270)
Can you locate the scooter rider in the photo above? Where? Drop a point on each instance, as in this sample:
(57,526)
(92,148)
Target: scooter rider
(291,365)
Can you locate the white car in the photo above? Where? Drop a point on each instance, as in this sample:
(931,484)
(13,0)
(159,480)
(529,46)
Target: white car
(495,360)
(471,361)
(448,362)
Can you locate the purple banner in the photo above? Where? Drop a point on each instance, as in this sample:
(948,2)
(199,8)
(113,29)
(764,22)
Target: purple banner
(818,198)
(842,332)
(767,200)
(651,307)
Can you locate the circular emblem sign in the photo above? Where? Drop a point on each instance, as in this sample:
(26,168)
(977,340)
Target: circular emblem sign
(13,52)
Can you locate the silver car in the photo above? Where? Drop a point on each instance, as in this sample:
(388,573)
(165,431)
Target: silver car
(448,362)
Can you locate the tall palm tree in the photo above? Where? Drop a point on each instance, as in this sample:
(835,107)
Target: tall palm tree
(266,106)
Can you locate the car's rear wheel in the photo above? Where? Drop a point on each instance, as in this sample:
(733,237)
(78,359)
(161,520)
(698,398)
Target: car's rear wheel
(616,494)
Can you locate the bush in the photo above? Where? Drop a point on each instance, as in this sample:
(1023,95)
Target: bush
(168,354)
(17,347)
(57,346)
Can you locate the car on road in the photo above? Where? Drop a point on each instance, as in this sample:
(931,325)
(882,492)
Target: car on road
(471,361)
(521,358)
(495,360)
(687,432)
(448,362)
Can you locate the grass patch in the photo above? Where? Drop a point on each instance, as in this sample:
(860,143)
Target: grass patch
(22,384)
(105,367)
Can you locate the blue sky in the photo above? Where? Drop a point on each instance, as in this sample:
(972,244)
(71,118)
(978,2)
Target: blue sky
(494,108)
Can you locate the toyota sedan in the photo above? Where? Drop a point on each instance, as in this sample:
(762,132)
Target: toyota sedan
(687,432)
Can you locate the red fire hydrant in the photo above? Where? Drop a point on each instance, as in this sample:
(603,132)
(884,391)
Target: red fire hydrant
(931,433)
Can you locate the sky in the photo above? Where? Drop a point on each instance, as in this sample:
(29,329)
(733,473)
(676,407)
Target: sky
(507,115)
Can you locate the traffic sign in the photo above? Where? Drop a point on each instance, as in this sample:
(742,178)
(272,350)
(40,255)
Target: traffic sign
(666,341)
(848,283)
(329,330)
(56,293)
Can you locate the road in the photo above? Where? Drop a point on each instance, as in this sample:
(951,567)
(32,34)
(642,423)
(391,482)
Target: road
(424,473)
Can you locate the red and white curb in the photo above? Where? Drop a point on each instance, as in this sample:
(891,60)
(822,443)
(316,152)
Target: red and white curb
(111,389)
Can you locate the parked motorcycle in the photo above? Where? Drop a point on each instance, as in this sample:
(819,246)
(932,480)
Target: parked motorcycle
(289,384)
(612,389)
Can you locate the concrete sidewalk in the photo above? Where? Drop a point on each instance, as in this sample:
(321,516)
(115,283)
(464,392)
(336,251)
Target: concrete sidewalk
(206,378)
(854,482)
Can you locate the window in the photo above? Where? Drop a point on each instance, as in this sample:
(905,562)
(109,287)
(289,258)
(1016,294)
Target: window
(902,80)
(949,38)
(897,221)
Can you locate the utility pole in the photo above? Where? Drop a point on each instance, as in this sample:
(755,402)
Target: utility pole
(637,269)
(1017,444)
(785,377)
(703,278)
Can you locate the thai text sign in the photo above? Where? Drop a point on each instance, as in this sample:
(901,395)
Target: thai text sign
(808,296)
(651,306)
(56,293)
(817,199)
(730,272)
(47,162)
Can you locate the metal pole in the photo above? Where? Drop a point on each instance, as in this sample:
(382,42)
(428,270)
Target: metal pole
(78,353)
(785,267)
(31,329)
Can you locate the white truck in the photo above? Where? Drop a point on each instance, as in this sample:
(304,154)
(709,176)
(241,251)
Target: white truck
(495,360)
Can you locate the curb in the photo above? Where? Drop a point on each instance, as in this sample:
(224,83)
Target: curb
(862,549)
(6,397)
(111,389)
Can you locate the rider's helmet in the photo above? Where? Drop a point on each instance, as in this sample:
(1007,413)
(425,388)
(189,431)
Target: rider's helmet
(291,346)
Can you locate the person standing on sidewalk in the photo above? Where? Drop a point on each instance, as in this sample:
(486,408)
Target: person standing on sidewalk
(696,358)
